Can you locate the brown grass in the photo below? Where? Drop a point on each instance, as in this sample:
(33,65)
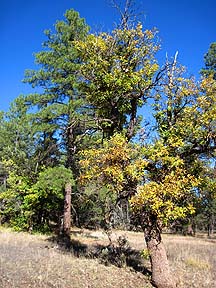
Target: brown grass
(193,260)
(32,261)
(35,261)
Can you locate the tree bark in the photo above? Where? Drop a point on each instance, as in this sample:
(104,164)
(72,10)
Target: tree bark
(67,211)
(161,274)
(133,119)
(211,221)
(71,147)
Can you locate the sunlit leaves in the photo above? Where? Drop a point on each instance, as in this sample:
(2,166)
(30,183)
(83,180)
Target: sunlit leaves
(117,72)
(163,187)
(115,164)
(185,113)
(27,204)
(169,199)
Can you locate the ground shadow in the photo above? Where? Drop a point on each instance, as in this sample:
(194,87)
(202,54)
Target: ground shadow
(120,254)
(73,246)
(120,257)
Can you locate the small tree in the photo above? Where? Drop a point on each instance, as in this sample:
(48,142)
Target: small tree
(157,195)
(167,194)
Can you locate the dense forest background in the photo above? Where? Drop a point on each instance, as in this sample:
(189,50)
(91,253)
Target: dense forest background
(81,151)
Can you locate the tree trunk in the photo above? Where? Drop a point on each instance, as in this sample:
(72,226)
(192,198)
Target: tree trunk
(71,149)
(133,119)
(67,211)
(211,221)
(161,275)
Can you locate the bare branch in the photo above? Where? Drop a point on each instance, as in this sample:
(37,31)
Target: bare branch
(171,67)
(128,13)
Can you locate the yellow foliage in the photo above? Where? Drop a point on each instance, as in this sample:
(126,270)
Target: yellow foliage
(166,199)
(167,195)
(112,164)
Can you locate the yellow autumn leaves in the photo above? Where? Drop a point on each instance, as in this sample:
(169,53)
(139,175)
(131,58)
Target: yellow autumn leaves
(112,165)
(168,199)
(117,164)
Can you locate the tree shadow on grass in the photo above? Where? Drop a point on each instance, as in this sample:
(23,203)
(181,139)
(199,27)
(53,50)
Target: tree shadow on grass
(120,254)
(77,248)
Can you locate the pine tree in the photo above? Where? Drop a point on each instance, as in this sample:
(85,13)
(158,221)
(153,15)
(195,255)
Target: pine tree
(59,106)
(210,61)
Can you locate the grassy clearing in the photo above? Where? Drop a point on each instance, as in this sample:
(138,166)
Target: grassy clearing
(35,261)
(193,260)
(32,261)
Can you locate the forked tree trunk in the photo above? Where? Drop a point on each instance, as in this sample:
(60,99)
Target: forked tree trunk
(161,274)
(67,211)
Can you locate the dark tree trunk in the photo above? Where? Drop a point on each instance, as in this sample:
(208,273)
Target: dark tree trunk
(211,221)
(67,212)
(161,274)
(133,119)
(71,149)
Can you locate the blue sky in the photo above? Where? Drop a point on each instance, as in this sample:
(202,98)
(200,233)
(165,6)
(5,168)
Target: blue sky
(188,26)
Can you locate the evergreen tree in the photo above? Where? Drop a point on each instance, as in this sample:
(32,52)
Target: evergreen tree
(60,112)
(17,141)
(210,61)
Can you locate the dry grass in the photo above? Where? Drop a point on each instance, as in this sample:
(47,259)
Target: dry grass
(193,261)
(33,261)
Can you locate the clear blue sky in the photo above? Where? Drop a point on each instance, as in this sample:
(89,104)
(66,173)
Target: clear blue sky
(188,26)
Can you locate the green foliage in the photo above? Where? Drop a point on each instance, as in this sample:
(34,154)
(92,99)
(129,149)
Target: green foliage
(16,137)
(117,75)
(210,61)
(95,206)
(91,86)
(35,206)
(60,119)
(206,212)
(54,180)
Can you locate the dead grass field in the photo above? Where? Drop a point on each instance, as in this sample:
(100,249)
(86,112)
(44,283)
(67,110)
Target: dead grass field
(36,261)
(193,260)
